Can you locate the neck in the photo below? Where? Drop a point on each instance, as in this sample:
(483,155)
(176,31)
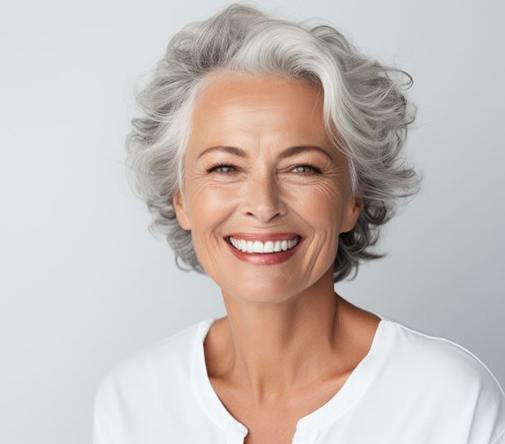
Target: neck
(273,349)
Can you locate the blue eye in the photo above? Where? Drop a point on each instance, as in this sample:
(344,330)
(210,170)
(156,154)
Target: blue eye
(313,168)
(218,166)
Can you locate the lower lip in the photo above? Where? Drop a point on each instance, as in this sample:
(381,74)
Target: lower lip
(264,258)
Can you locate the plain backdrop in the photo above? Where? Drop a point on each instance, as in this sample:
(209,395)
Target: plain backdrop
(84,284)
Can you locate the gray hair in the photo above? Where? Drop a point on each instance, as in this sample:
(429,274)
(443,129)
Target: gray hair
(366,115)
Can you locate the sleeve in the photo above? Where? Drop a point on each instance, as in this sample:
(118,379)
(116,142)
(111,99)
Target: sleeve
(488,419)
(500,439)
(102,416)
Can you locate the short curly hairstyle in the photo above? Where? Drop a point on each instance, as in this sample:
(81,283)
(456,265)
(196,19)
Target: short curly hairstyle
(365,109)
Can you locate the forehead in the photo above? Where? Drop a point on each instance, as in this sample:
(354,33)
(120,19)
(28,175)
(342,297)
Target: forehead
(258,104)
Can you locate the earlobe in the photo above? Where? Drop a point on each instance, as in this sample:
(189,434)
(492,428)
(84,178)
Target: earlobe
(352,215)
(180,212)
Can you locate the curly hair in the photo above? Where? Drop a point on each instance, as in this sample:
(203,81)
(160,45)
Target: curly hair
(366,115)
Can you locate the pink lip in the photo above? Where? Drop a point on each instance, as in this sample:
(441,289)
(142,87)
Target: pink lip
(265,258)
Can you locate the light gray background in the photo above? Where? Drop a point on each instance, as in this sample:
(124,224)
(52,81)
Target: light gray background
(84,284)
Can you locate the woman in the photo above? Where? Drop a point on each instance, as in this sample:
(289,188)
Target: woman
(268,152)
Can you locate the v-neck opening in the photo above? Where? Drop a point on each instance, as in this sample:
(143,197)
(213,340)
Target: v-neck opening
(308,426)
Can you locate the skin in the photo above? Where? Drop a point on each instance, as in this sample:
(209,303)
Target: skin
(288,342)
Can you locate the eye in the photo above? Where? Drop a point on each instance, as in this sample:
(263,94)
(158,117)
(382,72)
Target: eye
(218,166)
(221,166)
(313,168)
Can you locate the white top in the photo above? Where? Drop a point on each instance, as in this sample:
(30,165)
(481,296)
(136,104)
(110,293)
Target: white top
(410,388)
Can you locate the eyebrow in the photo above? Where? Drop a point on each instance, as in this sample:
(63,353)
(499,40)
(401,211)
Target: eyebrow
(288,152)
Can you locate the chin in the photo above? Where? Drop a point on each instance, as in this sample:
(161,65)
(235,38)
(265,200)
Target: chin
(261,293)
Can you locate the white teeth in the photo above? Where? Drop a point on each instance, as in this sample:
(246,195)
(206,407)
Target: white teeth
(263,247)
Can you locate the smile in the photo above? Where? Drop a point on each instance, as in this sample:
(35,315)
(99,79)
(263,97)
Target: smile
(264,253)
(264,247)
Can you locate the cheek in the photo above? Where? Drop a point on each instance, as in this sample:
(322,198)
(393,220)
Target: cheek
(204,196)
(213,201)
(320,206)
(209,208)
(319,203)
(208,202)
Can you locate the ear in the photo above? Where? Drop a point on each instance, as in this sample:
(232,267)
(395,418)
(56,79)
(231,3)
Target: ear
(352,212)
(180,212)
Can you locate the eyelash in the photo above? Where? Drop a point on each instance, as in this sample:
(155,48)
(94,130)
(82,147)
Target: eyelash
(220,165)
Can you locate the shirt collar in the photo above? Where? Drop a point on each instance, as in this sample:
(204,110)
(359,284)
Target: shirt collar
(308,426)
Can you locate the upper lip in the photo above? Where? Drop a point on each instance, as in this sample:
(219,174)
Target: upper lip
(263,236)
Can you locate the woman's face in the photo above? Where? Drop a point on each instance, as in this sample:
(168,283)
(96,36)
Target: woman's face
(261,191)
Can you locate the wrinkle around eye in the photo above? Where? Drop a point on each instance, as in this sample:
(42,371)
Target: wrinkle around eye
(311,165)
(224,169)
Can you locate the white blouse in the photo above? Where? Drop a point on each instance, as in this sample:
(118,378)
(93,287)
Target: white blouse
(410,388)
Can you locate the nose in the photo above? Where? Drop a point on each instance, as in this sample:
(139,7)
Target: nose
(262,199)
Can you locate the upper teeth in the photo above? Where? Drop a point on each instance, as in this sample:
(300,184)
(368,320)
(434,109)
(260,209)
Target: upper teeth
(263,247)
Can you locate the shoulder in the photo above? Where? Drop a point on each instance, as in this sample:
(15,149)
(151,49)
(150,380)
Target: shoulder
(444,358)
(447,378)
(147,369)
